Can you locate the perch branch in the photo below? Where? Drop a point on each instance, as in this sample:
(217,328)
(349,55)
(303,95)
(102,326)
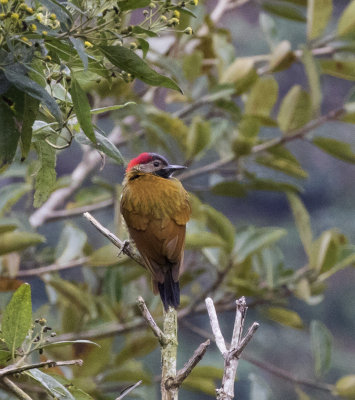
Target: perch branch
(114,239)
(150,321)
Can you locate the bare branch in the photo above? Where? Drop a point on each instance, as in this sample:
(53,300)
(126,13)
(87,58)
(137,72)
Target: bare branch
(215,327)
(185,371)
(150,320)
(13,369)
(114,239)
(128,390)
(205,168)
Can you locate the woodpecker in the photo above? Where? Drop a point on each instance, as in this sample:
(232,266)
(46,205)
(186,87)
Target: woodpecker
(156,209)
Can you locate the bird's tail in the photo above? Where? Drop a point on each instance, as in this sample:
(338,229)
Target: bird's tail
(169,291)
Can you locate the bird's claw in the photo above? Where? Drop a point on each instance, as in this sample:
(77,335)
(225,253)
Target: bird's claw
(124,247)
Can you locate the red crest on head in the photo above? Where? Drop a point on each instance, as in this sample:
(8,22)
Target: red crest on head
(141,159)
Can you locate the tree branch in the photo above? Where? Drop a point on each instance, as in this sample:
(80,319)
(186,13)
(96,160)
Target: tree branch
(150,320)
(123,246)
(13,369)
(226,392)
(185,371)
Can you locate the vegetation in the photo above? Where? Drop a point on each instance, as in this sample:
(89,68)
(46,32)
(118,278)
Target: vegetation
(84,82)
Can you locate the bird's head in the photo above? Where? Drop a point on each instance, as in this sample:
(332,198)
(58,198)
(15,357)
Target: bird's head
(153,163)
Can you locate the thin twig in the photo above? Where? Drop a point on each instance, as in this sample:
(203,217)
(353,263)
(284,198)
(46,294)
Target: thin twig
(185,371)
(13,369)
(51,268)
(128,390)
(15,389)
(114,239)
(237,351)
(150,320)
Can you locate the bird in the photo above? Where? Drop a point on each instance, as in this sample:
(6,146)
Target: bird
(156,208)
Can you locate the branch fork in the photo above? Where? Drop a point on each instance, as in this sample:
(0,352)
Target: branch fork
(171,380)
(231,356)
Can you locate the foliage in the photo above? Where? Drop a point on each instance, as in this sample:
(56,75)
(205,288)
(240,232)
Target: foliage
(167,76)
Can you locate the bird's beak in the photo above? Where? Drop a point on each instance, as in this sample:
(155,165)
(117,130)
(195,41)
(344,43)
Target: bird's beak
(169,170)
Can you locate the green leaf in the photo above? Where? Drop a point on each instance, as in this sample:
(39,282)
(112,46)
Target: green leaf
(285,317)
(321,341)
(335,148)
(345,387)
(76,392)
(80,48)
(339,68)
(284,11)
(71,244)
(55,388)
(11,194)
(128,61)
(103,144)
(280,164)
(251,240)
(345,258)
(9,135)
(346,22)
(4,356)
(258,104)
(203,239)
(295,110)
(241,73)
(325,250)
(221,225)
(312,71)
(31,106)
(16,241)
(102,110)
(229,188)
(125,5)
(32,88)
(282,56)
(46,175)
(192,64)
(17,318)
(302,221)
(141,31)
(82,109)
(199,137)
(319,13)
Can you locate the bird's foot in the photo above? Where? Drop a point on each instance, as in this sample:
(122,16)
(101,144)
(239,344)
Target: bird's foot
(124,247)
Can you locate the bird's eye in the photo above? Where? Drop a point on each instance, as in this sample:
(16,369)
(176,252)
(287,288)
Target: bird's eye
(156,163)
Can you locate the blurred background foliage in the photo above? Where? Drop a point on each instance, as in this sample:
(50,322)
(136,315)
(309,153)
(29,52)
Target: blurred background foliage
(256,98)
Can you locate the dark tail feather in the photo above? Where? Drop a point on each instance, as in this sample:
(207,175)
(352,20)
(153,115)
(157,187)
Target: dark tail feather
(169,291)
